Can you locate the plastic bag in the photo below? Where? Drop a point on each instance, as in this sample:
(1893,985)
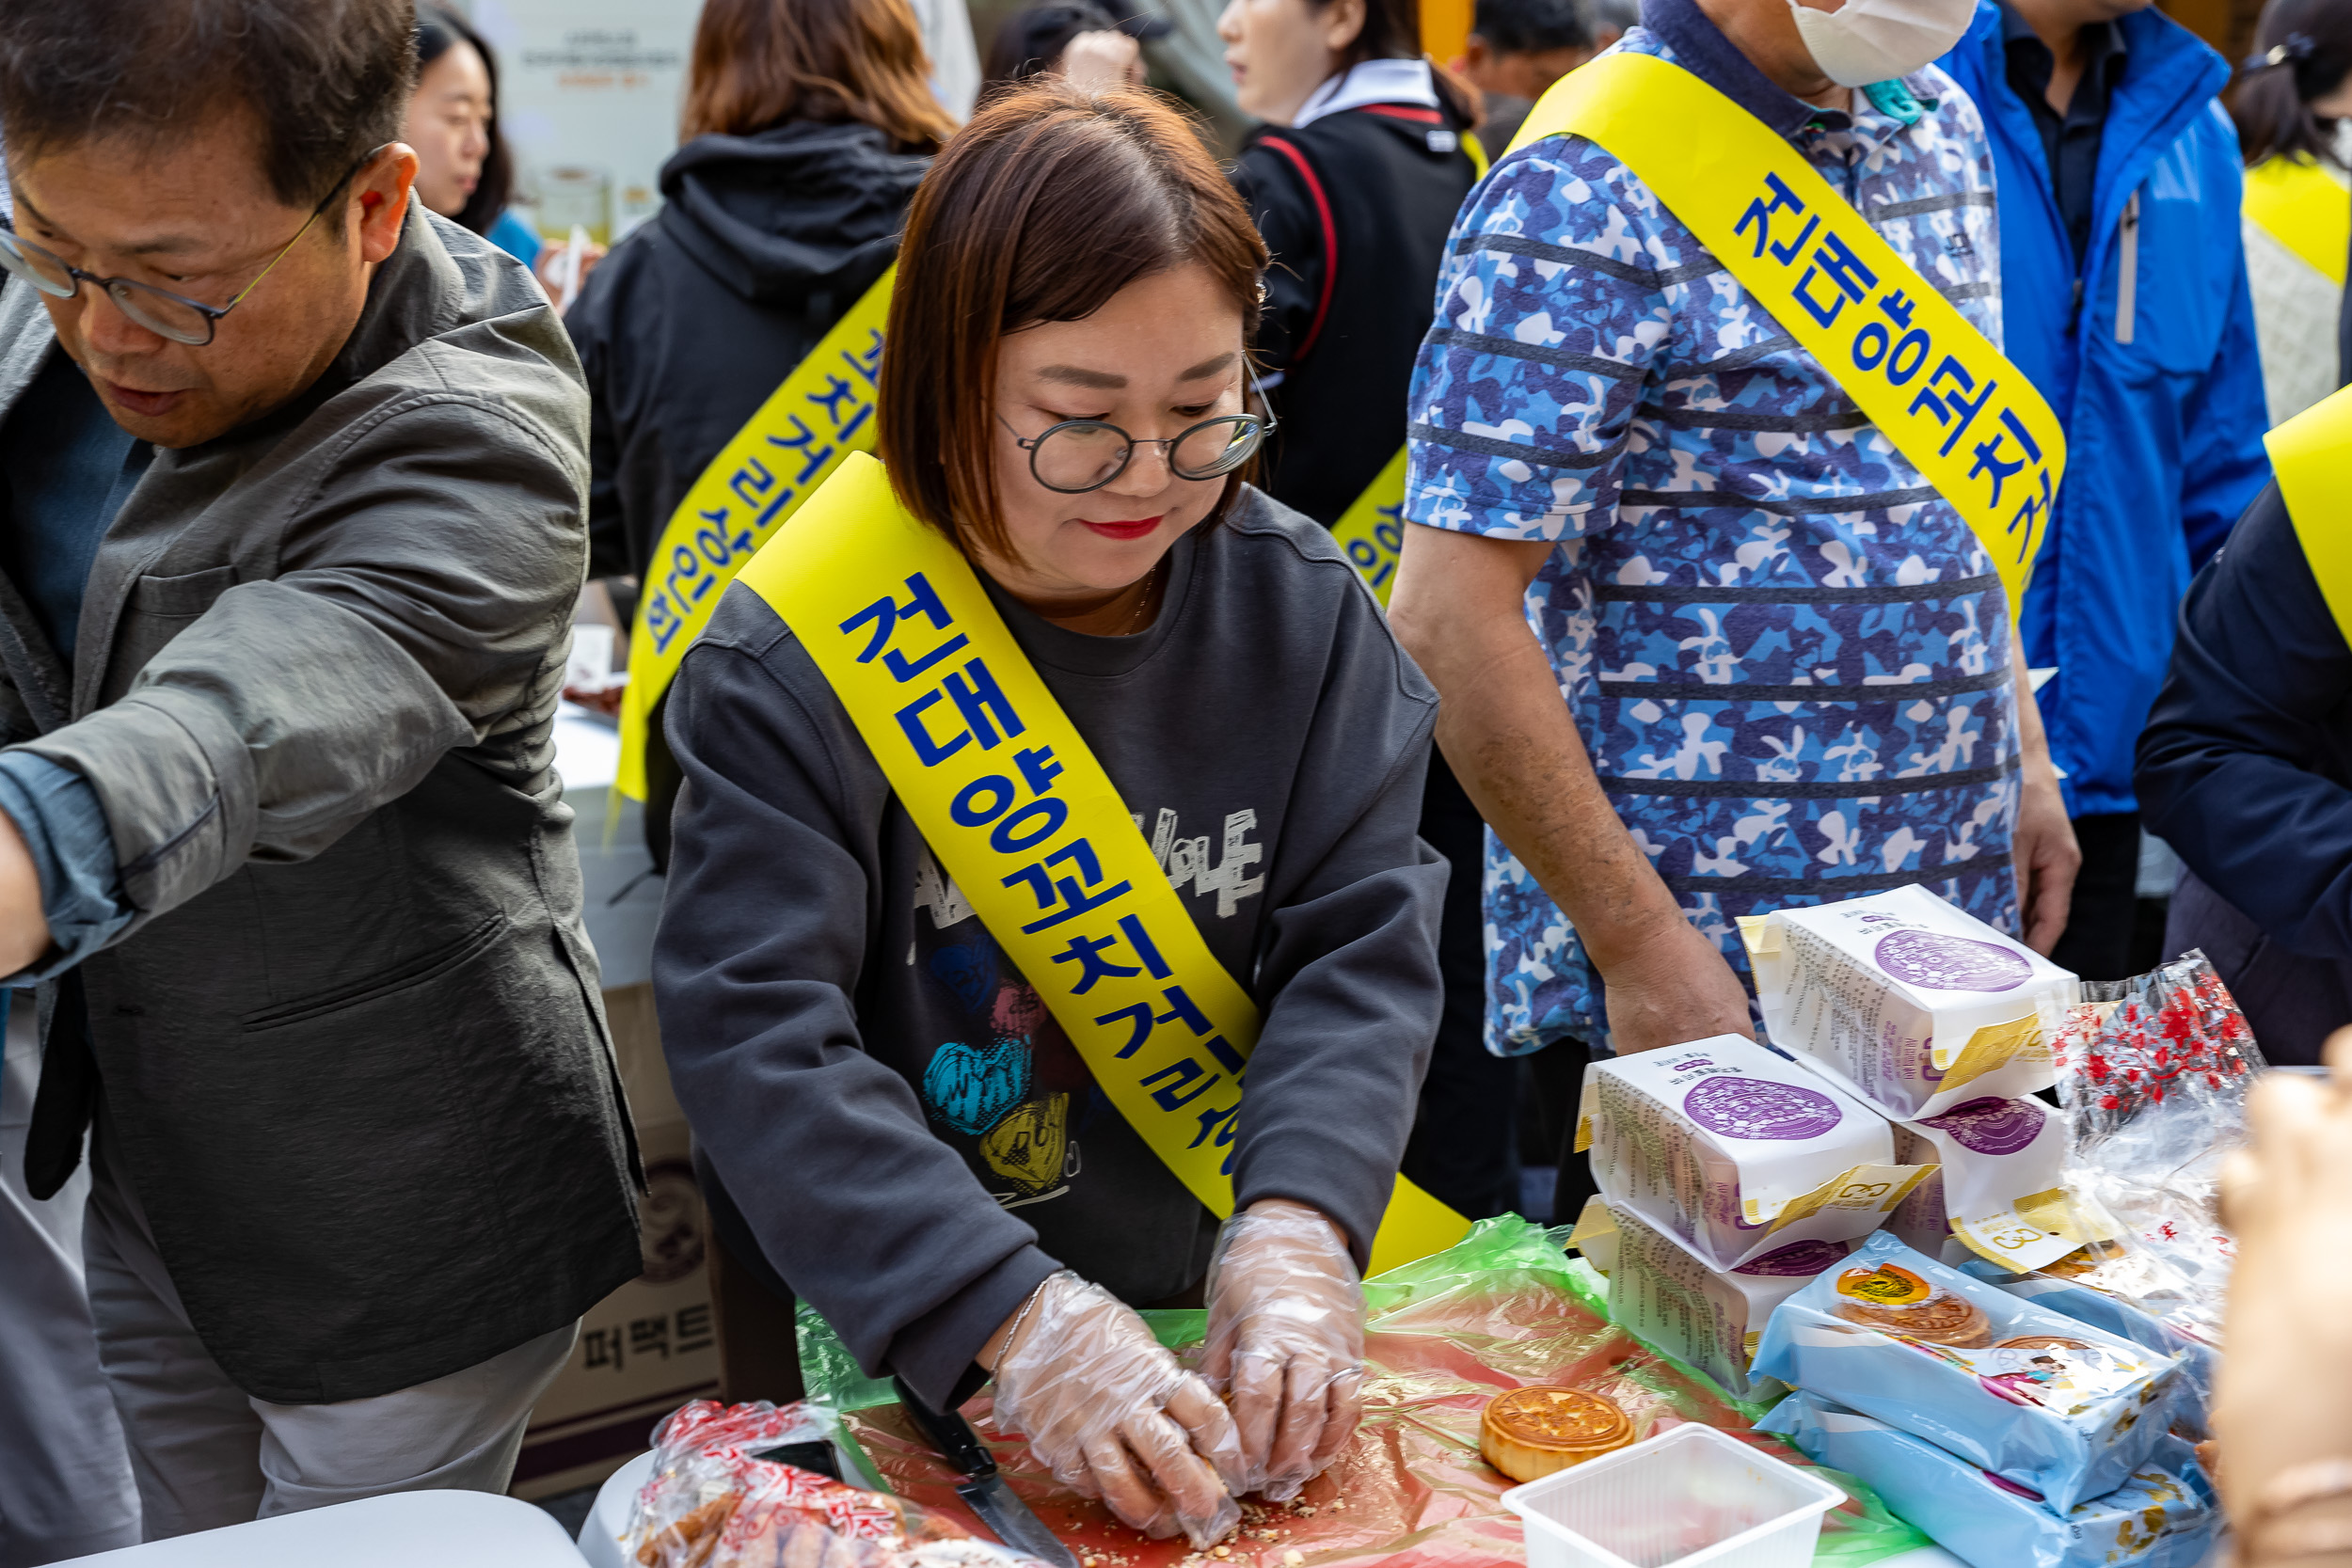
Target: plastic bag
(2162,1516)
(1739,1151)
(1710,1317)
(2048,1401)
(2000,1170)
(712,1502)
(2153,1073)
(1915,1005)
(2199,1361)
(1501,1309)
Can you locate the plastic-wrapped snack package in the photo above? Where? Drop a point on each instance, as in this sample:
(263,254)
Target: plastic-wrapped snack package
(2163,1515)
(2047,1401)
(1665,1295)
(1737,1150)
(712,1502)
(1915,1005)
(2153,1073)
(2001,1167)
(2064,1286)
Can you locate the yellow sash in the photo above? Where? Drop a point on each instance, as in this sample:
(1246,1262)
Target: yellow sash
(2306,208)
(1008,795)
(1967,418)
(2312,456)
(1371,530)
(820,413)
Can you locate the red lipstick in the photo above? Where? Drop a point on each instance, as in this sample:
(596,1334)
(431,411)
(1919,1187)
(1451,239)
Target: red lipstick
(1134,529)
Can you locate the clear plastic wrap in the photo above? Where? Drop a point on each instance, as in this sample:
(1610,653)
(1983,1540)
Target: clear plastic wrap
(712,1502)
(2153,1074)
(1116,1417)
(1286,1342)
(1503,1309)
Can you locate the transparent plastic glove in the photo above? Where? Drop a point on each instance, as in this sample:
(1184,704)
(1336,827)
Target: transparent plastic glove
(1286,1342)
(1113,1415)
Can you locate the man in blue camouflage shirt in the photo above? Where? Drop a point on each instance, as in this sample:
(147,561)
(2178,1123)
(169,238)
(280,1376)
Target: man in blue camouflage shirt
(1708,644)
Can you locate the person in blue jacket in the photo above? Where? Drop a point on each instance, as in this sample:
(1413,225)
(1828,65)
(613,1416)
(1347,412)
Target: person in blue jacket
(2124,297)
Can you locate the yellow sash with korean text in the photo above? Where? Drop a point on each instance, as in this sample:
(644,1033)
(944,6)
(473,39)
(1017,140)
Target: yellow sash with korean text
(2312,456)
(818,414)
(2306,208)
(1021,815)
(1372,530)
(1969,420)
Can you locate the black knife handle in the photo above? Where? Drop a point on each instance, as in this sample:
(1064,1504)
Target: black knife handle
(950,1433)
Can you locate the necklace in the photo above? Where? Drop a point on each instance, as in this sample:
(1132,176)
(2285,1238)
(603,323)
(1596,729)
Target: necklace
(1144,603)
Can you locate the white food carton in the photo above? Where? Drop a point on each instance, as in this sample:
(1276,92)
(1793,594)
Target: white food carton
(1999,1179)
(1665,1295)
(1737,1150)
(1913,1006)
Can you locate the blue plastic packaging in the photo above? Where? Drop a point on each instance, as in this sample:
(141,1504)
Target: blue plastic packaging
(2067,1421)
(2162,1516)
(2101,1309)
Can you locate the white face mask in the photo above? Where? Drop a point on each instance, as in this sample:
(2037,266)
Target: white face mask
(1876,41)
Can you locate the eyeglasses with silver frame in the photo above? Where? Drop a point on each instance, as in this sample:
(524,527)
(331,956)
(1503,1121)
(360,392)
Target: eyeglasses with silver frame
(168,315)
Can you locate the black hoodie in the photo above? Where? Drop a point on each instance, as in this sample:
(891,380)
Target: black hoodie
(764,242)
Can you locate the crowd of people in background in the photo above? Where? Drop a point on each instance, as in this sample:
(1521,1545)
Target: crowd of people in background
(284,594)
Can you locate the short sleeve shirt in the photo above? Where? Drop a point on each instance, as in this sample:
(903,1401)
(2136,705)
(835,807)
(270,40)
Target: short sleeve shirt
(1786,655)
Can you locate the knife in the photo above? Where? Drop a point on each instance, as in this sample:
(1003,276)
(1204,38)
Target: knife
(987,1493)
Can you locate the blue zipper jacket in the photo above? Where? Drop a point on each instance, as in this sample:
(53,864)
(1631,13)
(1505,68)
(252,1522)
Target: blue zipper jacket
(2147,355)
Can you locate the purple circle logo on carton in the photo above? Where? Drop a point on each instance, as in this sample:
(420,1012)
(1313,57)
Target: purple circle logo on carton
(1752,1108)
(1799,1258)
(1940,962)
(1990,1126)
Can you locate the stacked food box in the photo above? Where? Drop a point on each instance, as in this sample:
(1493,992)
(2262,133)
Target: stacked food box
(1791,1217)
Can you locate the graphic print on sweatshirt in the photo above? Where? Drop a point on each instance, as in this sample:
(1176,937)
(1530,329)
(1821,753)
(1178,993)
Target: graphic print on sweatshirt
(1011,1090)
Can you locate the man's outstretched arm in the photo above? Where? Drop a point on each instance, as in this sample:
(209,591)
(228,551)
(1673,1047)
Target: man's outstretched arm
(1507,732)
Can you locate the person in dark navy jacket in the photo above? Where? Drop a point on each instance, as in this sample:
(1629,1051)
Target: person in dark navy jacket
(2124,297)
(2246,769)
(1354,179)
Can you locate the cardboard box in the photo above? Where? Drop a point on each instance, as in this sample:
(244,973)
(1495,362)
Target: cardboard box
(653,1344)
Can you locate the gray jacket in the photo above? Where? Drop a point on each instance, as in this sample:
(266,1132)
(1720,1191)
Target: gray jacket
(352,1050)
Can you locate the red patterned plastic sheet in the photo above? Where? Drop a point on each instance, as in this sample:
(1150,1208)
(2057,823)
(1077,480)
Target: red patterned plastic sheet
(1498,1311)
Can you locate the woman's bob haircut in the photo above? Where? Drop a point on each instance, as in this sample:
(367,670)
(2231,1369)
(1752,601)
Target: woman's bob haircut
(1049,202)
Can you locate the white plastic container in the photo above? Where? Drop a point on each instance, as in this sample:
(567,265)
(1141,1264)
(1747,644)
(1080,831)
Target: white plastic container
(1686,1497)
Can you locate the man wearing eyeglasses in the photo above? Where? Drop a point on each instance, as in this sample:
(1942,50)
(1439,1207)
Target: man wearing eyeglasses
(292,472)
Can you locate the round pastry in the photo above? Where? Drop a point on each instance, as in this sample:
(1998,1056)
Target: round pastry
(1940,1320)
(1893,1299)
(1533,1432)
(2042,1341)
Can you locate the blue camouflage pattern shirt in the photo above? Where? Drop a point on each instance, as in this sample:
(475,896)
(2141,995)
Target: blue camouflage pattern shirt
(1787,657)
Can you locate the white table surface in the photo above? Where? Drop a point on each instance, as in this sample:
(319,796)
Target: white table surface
(438,1529)
(600,1535)
(622,901)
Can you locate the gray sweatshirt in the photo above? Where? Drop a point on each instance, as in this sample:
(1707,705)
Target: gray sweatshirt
(907,1131)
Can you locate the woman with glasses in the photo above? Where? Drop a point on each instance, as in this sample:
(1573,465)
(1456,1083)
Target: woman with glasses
(921,1151)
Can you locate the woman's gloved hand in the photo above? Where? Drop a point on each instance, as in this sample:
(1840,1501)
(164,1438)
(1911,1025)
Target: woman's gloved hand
(1113,1415)
(1286,1341)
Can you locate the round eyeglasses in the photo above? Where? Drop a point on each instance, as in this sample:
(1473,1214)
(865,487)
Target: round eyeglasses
(168,315)
(1078,456)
